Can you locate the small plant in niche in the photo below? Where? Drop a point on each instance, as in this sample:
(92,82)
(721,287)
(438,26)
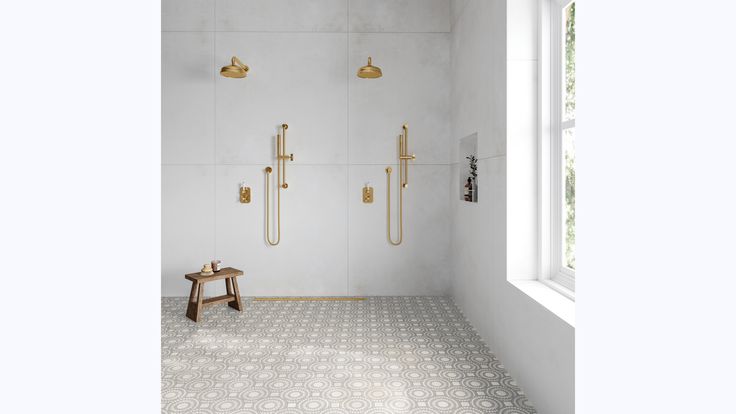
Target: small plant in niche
(473,166)
(468,153)
(471,187)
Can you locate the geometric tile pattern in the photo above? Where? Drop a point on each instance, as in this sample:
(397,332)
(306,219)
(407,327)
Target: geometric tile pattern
(383,355)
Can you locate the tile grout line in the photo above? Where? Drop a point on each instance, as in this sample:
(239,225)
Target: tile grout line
(490,157)
(263,164)
(347,147)
(297,31)
(214,123)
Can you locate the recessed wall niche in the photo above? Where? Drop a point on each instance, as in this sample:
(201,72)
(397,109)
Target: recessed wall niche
(468,163)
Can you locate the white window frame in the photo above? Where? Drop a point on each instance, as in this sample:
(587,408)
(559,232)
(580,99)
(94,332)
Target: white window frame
(550,154)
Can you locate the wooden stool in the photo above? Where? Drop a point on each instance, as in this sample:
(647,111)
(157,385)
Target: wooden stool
(196,297)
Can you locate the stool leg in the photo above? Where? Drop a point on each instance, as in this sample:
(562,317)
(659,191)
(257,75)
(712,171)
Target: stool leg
(235,304)
(192,304)
(228,286)
(200,298)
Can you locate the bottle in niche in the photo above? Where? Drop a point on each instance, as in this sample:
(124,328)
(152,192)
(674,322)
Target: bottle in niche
(469,190)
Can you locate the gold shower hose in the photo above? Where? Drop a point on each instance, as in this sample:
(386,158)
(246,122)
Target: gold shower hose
(281,159)
(404,158)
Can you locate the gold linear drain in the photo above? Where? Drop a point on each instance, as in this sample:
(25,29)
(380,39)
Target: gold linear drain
(306,298)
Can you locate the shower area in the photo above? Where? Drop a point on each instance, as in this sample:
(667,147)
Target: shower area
(244,79)
(316,146)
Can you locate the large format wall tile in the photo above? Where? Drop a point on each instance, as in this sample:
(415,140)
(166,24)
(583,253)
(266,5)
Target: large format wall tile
(414,89)
(187,224)
(297,78)
(475,241)
(282,15)
(478,79)
(187,15)
(420,265)
(456,10)
(399,15)
(188,113)
(312,256)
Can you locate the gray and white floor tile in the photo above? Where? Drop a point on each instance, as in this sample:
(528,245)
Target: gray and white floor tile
(382,355)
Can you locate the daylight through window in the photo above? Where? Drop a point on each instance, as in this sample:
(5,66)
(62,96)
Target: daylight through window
(568,138)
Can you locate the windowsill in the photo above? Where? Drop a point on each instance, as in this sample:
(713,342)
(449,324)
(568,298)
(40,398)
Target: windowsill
(554,301)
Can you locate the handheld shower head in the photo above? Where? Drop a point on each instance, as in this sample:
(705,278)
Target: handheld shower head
(235,70)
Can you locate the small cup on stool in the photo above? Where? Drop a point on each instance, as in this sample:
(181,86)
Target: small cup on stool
(216,265)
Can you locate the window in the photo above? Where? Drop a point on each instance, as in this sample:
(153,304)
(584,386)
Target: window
(567,133)
(557,146)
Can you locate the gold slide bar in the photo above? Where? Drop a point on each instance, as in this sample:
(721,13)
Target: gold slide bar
(404,158)
(281,159)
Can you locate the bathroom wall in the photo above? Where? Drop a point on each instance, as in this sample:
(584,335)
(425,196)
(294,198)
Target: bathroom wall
(446,67)
(303,56)
(494,93)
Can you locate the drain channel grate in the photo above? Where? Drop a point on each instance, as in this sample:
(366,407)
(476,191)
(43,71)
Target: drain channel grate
(302,298)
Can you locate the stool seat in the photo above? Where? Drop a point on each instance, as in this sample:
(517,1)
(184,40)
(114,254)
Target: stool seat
(196,296)
(225,273)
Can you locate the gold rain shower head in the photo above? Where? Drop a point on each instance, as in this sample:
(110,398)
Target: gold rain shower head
(369,71)
(235,70)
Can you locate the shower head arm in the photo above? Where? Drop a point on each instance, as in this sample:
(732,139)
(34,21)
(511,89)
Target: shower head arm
(236,62)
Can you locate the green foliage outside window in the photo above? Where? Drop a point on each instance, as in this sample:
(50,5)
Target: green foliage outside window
(570,207)
(570,137)
(570,62)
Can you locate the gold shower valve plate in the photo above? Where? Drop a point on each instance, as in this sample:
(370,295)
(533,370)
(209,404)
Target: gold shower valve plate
(245,195)
(367,195)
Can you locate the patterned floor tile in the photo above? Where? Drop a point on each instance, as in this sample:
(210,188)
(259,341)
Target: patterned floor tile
(383,355)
